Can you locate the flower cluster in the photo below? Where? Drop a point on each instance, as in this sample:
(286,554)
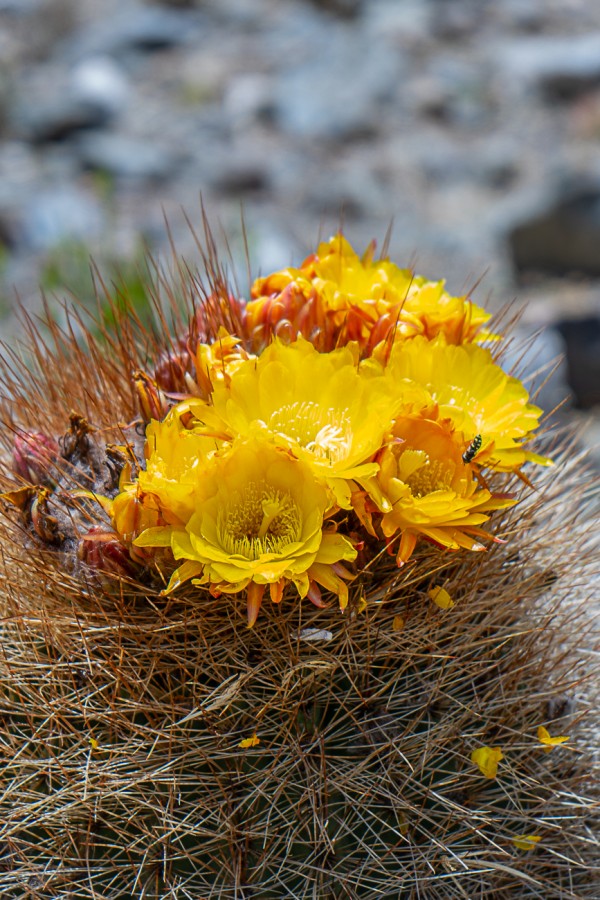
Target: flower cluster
(359,408)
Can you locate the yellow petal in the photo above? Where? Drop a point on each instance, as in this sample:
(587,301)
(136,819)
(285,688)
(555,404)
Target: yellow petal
(188,569)
(441,597)
(544,737)
(253,741)
(398,623)
(527,842)
(94,743)
(487,759)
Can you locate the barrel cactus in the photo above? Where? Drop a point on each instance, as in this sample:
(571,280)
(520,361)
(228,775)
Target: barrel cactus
(291,605)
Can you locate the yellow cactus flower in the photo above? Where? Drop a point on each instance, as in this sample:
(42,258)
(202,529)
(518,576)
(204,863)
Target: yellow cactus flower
(544,737)
(527,842)
(174,459)
(216,362)
(337,296)
(258,521)
(431,492)
(469,389)
(253,741)
(487,759)
(327,409)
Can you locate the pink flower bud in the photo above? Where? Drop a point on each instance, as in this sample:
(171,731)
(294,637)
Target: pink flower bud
(33,457)
(103,553)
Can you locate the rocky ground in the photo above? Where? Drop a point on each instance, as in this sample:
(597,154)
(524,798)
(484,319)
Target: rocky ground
(472,125)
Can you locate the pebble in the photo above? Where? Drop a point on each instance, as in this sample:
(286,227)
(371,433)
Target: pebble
(139,29)
(581,338)
(560,68)
(59,118)
(99,81)
(125,157)
(317,98)
(560,233)
(60,213)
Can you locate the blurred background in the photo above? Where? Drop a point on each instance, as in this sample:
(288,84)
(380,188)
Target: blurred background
(471,125)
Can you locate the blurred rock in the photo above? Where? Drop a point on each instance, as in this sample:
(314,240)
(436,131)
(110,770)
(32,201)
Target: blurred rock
(90,95)
(125,157)
(561,68)
(560,235)
(100,82)
(140,29)
(240,173)
(61,213)
(249,98)
(338,91)
(58,118)
(347,9)
(523,15)
(350,192)
(582,346)
(457,20)
(537,357)
(407,23)
(20,7)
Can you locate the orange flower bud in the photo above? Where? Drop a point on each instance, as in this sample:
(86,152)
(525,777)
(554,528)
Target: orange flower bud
(152,402)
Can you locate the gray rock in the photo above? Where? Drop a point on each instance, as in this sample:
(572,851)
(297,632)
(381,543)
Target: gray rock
(561,68)
(89,96)
(352,192)
(125,157)
(560,234)
(536,356)
(456,21)
(240,174)
(248,98)
(347,9)
(338,91)
(20,7)
(141,29)
(408,22)
(60,213)
(582,345)
(99,81)
(58,119)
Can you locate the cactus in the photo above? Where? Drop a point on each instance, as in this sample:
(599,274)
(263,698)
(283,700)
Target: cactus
(154,746)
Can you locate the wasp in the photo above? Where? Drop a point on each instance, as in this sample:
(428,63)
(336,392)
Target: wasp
(473,449)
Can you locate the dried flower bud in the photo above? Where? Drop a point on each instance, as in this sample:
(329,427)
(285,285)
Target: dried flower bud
(33,457)
(152,402)
(171,369)
(45,525)
(103,552)
(76,440)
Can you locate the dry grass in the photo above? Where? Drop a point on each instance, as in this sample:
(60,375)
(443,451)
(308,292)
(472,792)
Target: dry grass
(122,775)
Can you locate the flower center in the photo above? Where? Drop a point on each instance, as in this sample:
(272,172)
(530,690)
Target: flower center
(261,520)
(326,433)
(433,476)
